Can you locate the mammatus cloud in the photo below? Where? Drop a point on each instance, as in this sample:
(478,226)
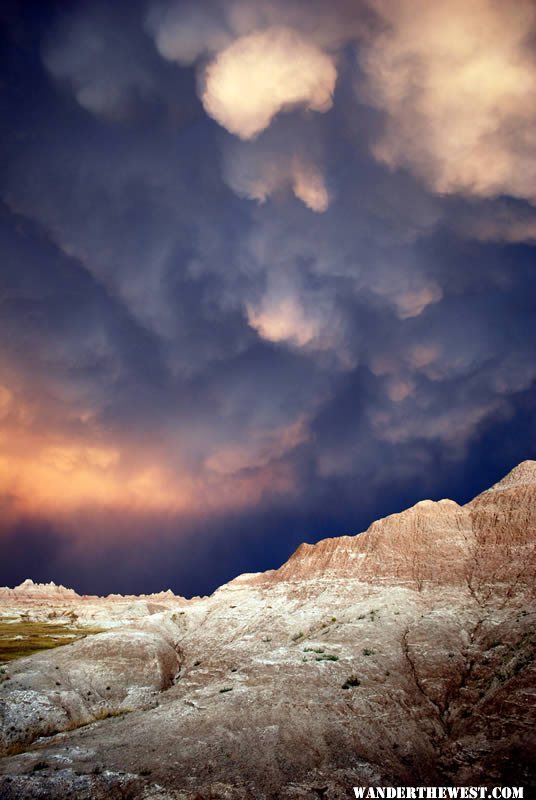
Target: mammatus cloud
(309,186)
(107,72)
(255,172)
(405,289)
(176,351)
(263,73)
(188,31)
(262,448)
(457,82)
(283,319)
(500,220)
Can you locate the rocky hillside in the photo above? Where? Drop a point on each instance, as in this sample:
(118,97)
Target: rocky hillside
(43,602)
(403,655)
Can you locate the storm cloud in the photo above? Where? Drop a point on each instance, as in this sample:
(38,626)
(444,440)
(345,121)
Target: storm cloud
(267,273)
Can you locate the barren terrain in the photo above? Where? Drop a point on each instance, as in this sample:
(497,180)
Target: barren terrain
(403,655)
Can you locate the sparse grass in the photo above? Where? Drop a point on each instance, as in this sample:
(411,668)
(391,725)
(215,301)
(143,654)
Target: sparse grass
(19,639)
(350,682)
(313,649)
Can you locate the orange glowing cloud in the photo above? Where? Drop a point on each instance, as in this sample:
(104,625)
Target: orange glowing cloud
(50,470)
(63,477)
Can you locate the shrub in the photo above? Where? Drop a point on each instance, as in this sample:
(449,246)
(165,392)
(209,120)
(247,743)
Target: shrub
(367,652)
(350,682)
(327,657)
(226,689)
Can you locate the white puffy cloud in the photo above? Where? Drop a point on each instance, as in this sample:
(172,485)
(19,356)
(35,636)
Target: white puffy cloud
(301,318)
(457,81)
(265,72)
(283,319)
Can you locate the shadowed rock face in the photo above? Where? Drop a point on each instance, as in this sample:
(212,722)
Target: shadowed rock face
(404,655)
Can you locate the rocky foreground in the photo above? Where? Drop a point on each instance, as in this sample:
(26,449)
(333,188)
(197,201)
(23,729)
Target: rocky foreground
(402,656)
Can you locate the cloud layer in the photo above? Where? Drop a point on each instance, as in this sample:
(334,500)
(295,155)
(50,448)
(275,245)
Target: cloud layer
(458,85)
(281,325)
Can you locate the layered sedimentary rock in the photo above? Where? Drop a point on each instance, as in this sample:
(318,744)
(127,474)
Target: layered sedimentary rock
(403,655)
(42,602)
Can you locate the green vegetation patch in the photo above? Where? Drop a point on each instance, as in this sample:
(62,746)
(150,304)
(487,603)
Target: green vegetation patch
(19,639)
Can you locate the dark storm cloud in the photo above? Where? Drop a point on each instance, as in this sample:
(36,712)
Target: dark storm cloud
(251,336)
(30,547)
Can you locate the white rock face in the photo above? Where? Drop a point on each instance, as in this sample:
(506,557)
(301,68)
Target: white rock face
(47,602)
(402,656)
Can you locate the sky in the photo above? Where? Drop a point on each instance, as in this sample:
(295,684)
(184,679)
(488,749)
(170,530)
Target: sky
(267,273)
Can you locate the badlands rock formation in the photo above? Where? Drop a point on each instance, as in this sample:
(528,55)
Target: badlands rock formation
(42,602)
(404,655)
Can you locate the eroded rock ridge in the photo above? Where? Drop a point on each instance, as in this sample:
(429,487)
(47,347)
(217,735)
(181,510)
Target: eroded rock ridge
(403,655)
